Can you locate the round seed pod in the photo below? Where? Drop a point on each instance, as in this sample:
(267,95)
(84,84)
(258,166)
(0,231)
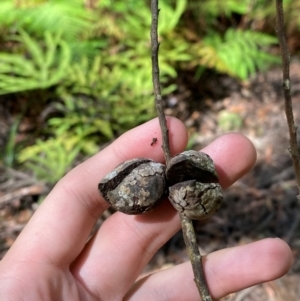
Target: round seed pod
(196,200)
(191,165)
(194,189)
(135,186)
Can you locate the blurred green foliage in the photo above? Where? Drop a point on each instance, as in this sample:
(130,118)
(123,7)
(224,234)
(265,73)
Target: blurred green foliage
(93,64)
(51,159)
(229,121)
(238,53)
(43,67)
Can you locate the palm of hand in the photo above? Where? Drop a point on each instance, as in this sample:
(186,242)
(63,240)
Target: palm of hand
(53,259)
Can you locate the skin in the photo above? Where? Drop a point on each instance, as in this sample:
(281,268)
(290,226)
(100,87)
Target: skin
(52,259)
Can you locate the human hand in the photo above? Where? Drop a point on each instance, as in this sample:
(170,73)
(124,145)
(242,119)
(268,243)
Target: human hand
(52,258)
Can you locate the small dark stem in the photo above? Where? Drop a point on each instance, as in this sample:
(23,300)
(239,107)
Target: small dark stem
(156,85)
(187,225)
(287,91)
(195,257)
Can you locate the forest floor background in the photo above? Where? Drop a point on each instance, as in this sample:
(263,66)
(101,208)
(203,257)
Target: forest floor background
(261,204)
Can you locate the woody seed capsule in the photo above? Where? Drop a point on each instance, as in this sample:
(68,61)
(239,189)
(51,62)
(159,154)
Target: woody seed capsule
(134,187)
(194,189)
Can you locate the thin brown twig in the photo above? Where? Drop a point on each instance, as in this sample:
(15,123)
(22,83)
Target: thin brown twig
(187,225)
(195,257)
(285,56)
(156,85)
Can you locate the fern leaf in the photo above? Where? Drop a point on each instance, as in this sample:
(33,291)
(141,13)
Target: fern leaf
(169,16)
(51,43)
(13,63)
(8,13)
(61,71)
(58,17)
(238,53)
(34,49)
(46,66)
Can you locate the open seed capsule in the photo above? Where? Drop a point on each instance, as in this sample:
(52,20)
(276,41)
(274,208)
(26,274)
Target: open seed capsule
(191,165)
(196,200)
(134,187)
(194,189)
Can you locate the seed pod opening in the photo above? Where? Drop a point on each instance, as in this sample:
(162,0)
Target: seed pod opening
(191,165)
(196,200)
(134,187)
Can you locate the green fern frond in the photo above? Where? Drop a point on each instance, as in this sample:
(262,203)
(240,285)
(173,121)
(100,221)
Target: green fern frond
(209,57)
(210,10)
(71,20)
(227,8)
(44,66)
(169,15)
(239,53)
(33,48)
(8,13)
(51,159)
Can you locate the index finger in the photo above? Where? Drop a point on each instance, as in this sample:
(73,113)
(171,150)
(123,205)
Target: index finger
(60,228)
